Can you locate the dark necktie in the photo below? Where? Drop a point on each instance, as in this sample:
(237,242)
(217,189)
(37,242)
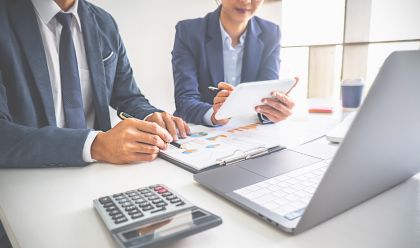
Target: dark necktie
(69,73)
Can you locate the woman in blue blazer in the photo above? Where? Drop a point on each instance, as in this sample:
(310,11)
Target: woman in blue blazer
(228,45)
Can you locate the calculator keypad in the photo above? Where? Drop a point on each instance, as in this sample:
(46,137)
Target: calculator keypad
(136,204)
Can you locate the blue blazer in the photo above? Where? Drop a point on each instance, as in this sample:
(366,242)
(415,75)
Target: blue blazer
(197,61)
(29,136)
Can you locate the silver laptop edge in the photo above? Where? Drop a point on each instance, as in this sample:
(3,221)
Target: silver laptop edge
(387,121)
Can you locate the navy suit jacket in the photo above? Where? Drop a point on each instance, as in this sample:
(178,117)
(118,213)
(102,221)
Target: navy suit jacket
(29,136)
(197,61)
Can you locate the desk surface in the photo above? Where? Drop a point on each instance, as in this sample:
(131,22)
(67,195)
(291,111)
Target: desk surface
(53,208)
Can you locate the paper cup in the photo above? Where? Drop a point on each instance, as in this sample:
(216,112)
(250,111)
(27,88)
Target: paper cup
(351,93)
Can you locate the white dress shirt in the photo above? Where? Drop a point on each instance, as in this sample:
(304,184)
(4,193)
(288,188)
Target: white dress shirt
(232,64)
(50,30)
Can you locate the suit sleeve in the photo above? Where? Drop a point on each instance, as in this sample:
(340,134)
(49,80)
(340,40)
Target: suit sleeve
(126,95)
(28,147)
(189,105)
(270,66)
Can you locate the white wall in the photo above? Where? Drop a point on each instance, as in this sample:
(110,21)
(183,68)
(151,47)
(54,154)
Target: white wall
(394,20)
(148,30)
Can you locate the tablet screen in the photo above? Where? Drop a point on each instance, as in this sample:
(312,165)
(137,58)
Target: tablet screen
(247,96)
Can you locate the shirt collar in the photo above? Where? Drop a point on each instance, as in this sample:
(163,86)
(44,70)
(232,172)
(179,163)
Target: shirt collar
(226,38)
(47,10)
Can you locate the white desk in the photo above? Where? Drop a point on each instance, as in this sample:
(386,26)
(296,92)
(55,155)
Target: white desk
(53,208)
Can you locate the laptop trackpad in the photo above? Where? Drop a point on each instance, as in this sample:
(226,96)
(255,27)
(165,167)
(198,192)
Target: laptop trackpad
(277,163)
(227,179)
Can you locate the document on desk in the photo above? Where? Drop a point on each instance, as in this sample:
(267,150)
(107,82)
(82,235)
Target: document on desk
(221,146)
(237,141)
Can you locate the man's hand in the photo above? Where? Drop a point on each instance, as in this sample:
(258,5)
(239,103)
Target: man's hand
(276,108)
(225,91)
(130,141)
(171,123)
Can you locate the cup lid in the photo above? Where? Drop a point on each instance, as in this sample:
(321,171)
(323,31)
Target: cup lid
(353,82)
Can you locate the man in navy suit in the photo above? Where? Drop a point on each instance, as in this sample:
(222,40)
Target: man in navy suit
(62,64)
(227,47)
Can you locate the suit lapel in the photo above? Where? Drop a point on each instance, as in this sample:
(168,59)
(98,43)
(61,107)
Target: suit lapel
(252,52)
(26,27)
(214,49)
(96,68)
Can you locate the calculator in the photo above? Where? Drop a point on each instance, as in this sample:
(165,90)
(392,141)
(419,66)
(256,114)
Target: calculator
(150,216)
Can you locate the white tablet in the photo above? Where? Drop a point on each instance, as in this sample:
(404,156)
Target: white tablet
(247,96)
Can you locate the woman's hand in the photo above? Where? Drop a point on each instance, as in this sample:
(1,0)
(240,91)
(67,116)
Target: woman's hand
(279,106)
(225,90)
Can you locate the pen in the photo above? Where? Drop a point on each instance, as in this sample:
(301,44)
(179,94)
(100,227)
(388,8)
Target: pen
(215,90)
(124,116)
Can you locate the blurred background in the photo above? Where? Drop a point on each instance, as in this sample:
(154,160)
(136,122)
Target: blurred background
(323,41)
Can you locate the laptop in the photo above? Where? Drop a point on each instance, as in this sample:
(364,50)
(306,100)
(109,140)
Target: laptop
(295,192)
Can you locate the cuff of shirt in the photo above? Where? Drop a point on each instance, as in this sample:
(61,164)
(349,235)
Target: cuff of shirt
(263,119)
(147,116)
(87,156)
(207,118)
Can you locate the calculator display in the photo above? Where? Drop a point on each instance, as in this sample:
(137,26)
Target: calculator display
(164,227)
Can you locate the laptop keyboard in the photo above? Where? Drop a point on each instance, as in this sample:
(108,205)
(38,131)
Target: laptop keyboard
(287,194)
